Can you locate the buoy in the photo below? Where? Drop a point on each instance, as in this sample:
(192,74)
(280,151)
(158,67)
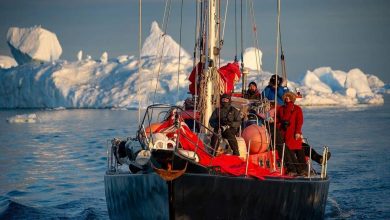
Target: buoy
(258,138)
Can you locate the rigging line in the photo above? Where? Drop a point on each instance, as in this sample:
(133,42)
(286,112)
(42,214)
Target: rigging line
(204,28)
(167,5)
(162,52)
(178,70)
(197,33)
(255,35)
(276,72)
(241,40)
(195,64)
(158,47)
(219,33)
(224,21)
(206,32)
(139,61)
(235,28)
(282,58)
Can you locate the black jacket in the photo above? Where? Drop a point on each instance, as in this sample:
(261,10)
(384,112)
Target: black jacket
(229,116)
(252,95)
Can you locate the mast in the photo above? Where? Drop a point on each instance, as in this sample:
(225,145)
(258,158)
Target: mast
(212,56)
(139,61)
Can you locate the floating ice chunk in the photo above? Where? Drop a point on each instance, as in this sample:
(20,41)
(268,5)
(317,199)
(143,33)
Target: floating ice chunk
(26,118)
(59,108)
(7,62)
(122,59)
(118,109)
(80,55)
(104,58)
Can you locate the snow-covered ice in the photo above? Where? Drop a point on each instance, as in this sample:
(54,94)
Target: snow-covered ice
(7,62)
(157,41)
(33,44)
(118,83)
(252,58)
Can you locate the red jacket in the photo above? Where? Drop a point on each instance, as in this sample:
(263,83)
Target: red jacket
(290,121)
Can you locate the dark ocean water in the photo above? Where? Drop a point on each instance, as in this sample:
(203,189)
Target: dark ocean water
(53,169)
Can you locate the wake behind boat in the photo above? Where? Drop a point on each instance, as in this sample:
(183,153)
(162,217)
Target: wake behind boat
(175,168)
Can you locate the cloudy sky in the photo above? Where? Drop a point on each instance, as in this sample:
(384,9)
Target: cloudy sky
(342,34)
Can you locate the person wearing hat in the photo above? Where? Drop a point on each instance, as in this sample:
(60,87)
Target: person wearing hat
(275,83)
(289,122)
(226,121)
(252,92)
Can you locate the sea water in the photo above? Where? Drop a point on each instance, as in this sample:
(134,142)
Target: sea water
(54,168)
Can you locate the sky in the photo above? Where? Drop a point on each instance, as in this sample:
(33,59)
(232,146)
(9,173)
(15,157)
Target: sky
(341,34)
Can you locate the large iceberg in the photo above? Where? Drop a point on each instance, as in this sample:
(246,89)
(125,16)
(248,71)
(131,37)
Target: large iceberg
(158,41)
(325,86)
(33,44)
(119,83)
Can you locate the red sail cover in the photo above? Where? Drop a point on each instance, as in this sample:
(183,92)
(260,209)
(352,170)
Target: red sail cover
(229,74)
(229,164)
(192,78)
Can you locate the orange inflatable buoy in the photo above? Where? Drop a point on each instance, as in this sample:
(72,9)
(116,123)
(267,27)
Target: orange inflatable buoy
(152,128)
(258,138)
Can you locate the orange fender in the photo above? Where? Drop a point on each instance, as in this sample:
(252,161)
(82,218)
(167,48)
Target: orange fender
(258,138)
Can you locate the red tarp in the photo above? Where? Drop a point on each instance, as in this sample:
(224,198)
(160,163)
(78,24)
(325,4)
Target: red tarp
(229,164)
(229,74)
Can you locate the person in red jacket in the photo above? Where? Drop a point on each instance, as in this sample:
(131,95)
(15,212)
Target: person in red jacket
(290,121)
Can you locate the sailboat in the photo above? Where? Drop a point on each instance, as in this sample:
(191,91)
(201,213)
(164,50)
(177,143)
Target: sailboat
(174,173)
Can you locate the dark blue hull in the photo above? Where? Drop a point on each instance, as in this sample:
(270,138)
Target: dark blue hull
(205,196)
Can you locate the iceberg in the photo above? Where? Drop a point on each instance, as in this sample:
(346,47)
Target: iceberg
(159,41)
(252,58)
(118,83)
(33,44)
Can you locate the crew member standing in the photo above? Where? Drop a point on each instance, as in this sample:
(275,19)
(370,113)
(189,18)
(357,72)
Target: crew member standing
(226,120)
(290,121)
(269,91)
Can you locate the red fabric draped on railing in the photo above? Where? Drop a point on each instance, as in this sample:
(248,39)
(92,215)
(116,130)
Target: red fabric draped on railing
(228,164)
